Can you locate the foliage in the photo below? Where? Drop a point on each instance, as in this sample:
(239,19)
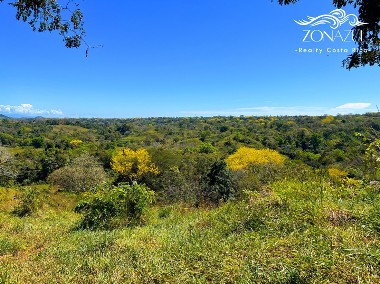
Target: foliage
(175,143)
(50,16)
(366,36)
(51,160)
(207,148)
(126,202)
(7,167)
(373,159)
(286,223)
(83,174)
(217,184)
(76,142)
(246,157)
(28,202)
(297,231)
(328,119)
(133,164)
(337,174)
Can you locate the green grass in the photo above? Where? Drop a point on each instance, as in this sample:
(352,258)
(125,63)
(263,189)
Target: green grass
(293,232)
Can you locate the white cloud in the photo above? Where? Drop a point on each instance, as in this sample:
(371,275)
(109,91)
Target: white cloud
(354,106)
(28,109)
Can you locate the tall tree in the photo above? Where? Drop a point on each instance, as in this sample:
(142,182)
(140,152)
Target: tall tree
(366,36)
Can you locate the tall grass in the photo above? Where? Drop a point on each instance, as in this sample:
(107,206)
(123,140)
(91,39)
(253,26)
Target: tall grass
(293,232)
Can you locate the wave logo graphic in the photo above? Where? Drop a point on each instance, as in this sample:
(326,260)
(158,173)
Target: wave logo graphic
(335,19)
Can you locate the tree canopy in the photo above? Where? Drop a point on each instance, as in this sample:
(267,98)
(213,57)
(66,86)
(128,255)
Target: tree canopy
(366,36)
(50,15)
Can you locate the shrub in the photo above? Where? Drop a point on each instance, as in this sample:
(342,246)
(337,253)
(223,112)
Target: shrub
(8,246)
(29,202)
(336,174)
(83,174)
(98,211)
(217,184)
(124,204)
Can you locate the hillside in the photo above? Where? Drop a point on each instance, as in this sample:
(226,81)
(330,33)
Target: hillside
(190,200)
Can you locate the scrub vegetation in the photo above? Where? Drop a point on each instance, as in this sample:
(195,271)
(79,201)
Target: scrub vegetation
(190,200)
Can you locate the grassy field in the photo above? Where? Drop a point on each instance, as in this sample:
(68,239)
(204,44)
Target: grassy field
(290,232)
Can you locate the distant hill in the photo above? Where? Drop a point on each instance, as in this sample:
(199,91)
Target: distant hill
(20,116)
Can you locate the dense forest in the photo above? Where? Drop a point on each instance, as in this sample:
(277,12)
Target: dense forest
(292,199)
(40,145)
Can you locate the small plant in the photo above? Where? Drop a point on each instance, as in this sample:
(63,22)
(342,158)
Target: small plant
(8,247)
(29,202)
(124,203)
(165,212)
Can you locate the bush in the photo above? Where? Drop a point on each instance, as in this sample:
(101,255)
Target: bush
(124,204)
(29,202)
(217,185)
(337,175)
(83,174)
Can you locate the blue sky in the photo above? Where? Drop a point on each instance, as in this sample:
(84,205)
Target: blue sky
(182,58)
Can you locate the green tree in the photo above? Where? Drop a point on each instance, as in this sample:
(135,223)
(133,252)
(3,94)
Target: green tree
(366,36)
(373,159)
(83,174)
(218,184)
(51,15)
(7,168)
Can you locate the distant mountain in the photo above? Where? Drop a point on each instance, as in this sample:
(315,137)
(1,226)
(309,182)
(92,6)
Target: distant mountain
(19,116)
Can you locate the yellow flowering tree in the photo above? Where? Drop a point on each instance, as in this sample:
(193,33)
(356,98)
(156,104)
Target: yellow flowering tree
(254,168)
(245,157)
(133,164)
(327,119)
(76,142)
